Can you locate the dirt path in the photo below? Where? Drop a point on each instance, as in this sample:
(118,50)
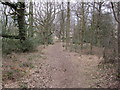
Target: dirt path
(69,69)
(61,69)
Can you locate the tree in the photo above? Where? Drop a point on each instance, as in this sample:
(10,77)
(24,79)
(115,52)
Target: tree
(99,22)
(68,26)
(44,20)
(117,18)
(31,31)
(19,10)
(62,22)
(92,28)
(82,25)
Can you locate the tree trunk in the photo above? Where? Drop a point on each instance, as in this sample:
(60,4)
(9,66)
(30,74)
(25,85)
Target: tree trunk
(98,22)
(92,29)
(117,18)
(83,26)
(21,21)
(118,40)
(68,26)
(62,23)
(31,19)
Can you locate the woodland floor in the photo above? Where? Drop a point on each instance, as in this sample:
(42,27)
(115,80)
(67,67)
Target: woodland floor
(56,68)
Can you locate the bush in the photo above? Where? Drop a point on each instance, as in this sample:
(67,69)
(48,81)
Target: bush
(27,45)
(9,45)
(13,45)
(50,41)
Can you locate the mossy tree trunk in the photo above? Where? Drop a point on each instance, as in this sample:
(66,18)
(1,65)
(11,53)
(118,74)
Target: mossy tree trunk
(21,21)
(19,9)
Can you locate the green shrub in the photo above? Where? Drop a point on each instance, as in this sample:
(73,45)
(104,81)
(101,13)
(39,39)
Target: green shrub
(50,41)
(27,45)
(9,45)
(13,45)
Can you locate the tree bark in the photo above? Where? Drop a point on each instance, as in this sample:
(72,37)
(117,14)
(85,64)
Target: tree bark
(62,23)
(118,40)
(68,25)
(92,28)
(98,23)
(21,21)
(19,7)
(117,18)
(83,25)
(31,32)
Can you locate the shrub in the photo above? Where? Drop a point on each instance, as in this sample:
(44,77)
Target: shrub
(13,45)
(27,45)
(9,45)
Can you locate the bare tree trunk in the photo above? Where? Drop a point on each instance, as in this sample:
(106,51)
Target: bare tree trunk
(62,23)
(78,34)
(117,18)
(83,25)
(98,22)
(118,40)
(92,29)
(31,32)
(68,26)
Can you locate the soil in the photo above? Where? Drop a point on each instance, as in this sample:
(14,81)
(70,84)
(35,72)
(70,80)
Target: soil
(61,69)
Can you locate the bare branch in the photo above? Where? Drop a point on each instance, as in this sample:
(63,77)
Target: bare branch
(115,16)
(12,5)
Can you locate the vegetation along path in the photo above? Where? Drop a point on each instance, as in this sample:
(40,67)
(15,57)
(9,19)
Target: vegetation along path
(61,69)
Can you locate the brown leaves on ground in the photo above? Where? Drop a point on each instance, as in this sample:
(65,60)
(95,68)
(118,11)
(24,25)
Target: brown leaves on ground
(57,68)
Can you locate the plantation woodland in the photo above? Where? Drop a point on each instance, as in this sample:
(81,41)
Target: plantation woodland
(60,43)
